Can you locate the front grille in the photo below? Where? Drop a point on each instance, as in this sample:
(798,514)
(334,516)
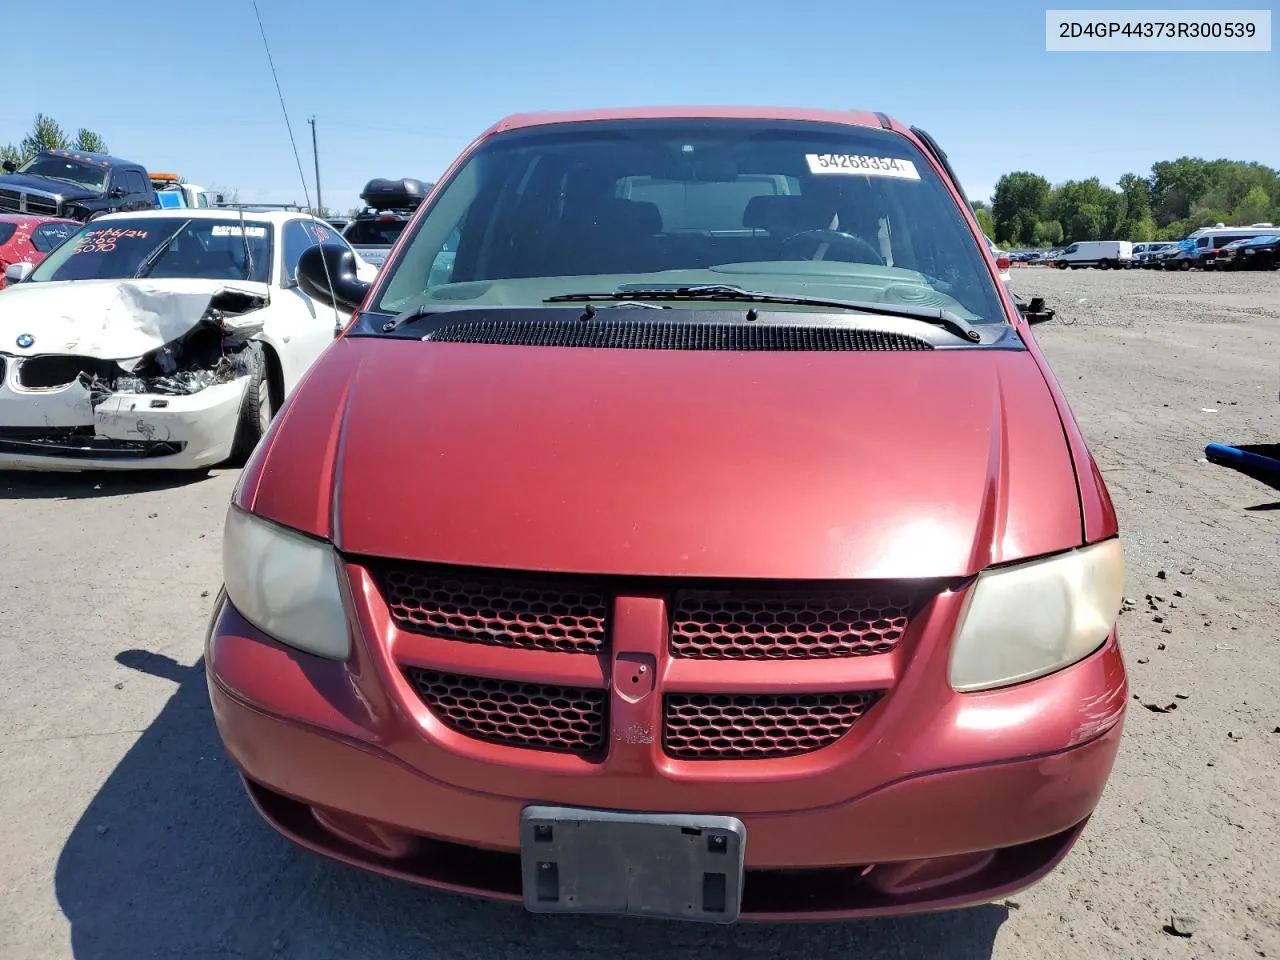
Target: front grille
(81,443)
(499,611)
(674,335)
(813,625)
(10,201)
(757,726)
(42,206)
(532,715)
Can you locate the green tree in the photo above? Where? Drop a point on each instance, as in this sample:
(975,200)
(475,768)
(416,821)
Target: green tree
(1254,207)
(1019,203)
(985,220)
(1135,221)
(46,134)
(1086,209)
(89,141)
(1048,233)
(1176,185)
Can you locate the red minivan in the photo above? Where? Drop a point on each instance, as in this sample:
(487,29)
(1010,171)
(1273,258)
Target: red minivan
(688,526)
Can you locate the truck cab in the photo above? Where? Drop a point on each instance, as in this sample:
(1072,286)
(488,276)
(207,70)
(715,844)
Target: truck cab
(172,192)
(75,185)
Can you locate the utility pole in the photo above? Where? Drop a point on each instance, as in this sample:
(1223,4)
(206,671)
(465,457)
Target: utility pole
(315,153)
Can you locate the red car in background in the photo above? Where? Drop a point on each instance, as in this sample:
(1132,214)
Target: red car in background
(28,239)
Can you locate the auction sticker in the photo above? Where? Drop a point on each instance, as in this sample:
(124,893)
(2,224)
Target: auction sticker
(860,165)
(223,230)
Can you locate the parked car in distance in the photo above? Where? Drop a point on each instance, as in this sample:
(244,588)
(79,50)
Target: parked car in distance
(390,206)
(1208,241)
(1252,253)
(1104,254)
(1144,253)
(1001,258)
(165,339)
(525,596)
(29,239)
(75,185)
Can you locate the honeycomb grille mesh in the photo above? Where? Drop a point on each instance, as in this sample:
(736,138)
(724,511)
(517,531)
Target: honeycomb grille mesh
(758,726)
(674,335)
(722,626)
(532,715)
(497,611)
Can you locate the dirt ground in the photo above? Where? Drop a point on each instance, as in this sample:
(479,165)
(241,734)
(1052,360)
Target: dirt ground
(125,835)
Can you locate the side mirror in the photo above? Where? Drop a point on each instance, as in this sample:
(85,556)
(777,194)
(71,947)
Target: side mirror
(17,272)
(327,272)
(116,193)
(10,167)
(1035,311)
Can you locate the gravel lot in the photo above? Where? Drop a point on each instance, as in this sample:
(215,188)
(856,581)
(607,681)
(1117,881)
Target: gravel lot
(126,835)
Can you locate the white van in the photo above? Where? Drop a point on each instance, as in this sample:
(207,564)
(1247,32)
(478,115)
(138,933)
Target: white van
(1104,254)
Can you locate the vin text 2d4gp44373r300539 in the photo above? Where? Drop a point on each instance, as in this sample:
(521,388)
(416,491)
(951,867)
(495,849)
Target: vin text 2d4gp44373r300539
(687,525)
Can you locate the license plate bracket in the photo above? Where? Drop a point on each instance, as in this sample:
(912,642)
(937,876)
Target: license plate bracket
(661,866)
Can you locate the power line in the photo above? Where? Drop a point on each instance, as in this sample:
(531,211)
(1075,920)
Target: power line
(302,177)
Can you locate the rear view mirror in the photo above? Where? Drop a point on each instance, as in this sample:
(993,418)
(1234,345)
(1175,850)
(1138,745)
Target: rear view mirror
(17,272)
(327,272)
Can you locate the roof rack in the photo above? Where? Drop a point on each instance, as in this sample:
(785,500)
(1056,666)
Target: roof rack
(261,206)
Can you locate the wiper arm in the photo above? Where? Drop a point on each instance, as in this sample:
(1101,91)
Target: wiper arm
(408,316)
(150,260)
(937,316)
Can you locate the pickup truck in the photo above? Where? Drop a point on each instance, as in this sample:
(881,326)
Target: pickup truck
(75,185)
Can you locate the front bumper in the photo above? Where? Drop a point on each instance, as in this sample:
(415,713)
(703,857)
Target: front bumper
(62,430)
(936,800)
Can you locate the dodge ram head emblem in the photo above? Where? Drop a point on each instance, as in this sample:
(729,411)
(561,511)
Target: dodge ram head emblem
(25,340)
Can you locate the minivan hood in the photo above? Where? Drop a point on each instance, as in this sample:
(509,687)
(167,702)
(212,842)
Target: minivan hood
(67,191)
(674,463)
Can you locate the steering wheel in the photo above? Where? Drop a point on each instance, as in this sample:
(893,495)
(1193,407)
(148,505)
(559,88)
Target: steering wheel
(836,238)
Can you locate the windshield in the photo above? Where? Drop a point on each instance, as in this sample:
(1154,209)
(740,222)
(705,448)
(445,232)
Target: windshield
(374,233)
(82,174)
(787,208)
(204,249)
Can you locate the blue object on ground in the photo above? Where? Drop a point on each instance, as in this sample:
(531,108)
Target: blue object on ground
(1227,456)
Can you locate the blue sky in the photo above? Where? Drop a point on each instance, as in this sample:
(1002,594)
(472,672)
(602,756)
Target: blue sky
(404,99)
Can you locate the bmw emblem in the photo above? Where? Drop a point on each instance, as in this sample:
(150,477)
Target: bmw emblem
(25,340)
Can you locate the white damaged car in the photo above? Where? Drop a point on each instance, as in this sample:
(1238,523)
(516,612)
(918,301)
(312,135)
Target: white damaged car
(165,339)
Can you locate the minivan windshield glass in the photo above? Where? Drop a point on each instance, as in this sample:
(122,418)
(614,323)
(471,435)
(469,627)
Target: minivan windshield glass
(201,249)
(799,209)
(77,172)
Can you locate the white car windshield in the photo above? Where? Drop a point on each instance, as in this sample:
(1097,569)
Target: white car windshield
(163,247)
(789,208)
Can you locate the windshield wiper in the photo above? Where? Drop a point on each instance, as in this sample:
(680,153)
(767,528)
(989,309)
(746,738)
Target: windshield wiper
(150,260)
(937,316)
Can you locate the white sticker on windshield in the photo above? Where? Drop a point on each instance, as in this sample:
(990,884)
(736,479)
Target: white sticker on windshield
(858,165)
(224,230)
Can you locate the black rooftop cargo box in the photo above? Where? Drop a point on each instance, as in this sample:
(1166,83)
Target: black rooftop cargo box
(403,194)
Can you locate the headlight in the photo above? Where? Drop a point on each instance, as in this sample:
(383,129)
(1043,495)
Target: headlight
(1029,620)
(286,584)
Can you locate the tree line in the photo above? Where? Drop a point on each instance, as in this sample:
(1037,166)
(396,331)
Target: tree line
(1178,196)
(46,134)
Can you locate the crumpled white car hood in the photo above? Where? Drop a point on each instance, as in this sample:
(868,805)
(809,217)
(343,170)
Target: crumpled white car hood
(110,319)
